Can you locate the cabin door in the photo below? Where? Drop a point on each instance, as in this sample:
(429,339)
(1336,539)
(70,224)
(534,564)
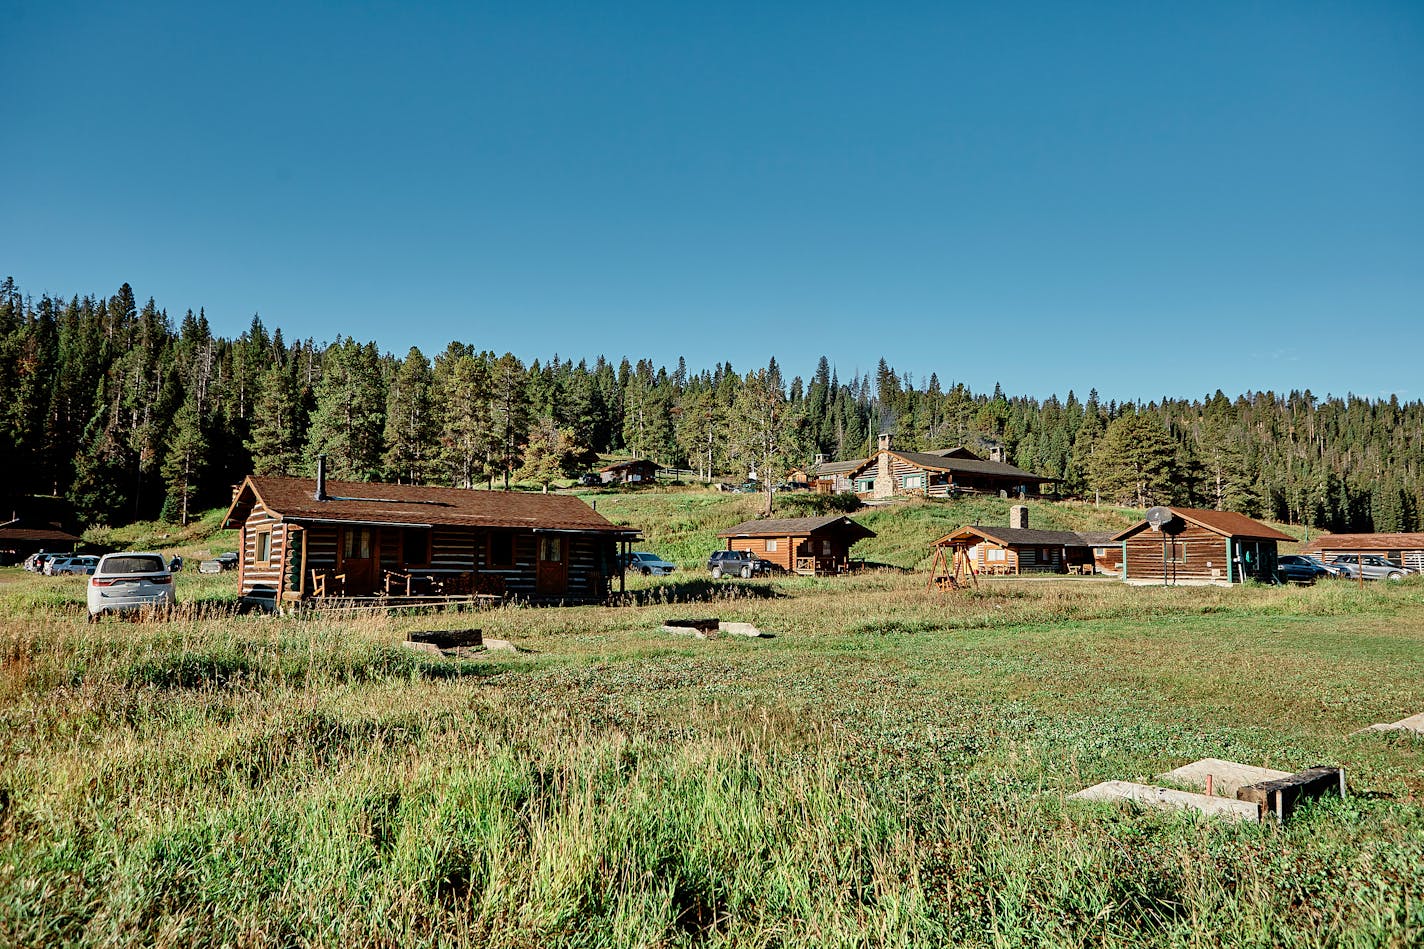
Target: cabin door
(358,560)
(553,568)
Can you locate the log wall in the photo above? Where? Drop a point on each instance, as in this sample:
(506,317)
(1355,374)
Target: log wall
(1194,554)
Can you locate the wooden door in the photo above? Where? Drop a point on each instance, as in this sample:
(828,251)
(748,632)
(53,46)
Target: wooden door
(358,560)
(553,568)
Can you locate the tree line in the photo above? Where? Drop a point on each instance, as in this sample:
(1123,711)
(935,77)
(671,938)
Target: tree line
(129,415)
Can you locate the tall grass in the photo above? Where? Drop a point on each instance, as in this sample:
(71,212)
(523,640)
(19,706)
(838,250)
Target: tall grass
(890,769)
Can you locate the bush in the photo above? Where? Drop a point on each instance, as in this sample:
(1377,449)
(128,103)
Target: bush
(810,503)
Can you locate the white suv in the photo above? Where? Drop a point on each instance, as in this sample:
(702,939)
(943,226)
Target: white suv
(130,581)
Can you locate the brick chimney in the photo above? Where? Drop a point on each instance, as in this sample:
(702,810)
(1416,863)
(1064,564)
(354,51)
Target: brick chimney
(996,453)
(1018,517)
(820,459)
(884,441)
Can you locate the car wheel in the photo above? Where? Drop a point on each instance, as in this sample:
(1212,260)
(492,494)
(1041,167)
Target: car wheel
(716,573)
(746,573)
(1396,575)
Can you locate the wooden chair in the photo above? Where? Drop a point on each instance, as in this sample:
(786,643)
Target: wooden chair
(322,579)
(395,581)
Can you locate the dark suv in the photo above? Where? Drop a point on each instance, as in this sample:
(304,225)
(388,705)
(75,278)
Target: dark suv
(737,563)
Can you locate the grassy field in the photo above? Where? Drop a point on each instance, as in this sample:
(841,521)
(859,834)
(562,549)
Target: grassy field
(890,769)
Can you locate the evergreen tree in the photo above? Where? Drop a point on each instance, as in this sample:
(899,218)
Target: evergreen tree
(275,440)
(1135,462)
(350,416)
(550,453)
(509,415)
(184,461)
(411,439)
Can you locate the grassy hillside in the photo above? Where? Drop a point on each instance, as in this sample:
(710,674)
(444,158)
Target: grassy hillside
(681,523)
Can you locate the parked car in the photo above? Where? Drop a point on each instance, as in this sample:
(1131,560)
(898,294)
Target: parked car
(228,560)
(640,561)
(76,566)
(1373,566)
(1297,568)
(128,581)
(737,563)
(35,563)
(589,480)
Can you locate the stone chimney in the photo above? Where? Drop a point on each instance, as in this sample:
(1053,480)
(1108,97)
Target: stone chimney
(820,459)
(996,453)
(884,477)
(320,494)
(1018,517)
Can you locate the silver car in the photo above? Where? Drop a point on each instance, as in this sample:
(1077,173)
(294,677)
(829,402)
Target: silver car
(1373,566)
(80,565)
(132,580)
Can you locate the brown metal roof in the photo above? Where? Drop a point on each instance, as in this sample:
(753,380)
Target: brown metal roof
(630,463)
(1347,542)
(1014,536)
(1226,523)
(836,467)
(32,535)
(293,499)
(796,527)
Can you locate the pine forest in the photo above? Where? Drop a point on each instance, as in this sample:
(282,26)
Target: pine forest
(129,415)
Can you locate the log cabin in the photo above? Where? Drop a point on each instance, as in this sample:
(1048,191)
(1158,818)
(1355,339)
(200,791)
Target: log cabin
(1200,547)
(810,546)
(944,473)
(634,471)
(1019,549)
(303,539)
(1406,549)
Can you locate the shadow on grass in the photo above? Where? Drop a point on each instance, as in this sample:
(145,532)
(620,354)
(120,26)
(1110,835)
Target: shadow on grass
(697,591)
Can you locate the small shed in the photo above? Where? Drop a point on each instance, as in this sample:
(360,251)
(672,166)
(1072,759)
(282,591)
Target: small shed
(1014,551)
(1406,549)
(810,546)
(304,539)
(633,471)
(1199,547)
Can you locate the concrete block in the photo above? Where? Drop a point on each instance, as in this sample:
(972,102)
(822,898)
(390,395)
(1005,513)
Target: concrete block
(1414,723)
(1167,799)
(1227,777)
(430,649)
(739,629)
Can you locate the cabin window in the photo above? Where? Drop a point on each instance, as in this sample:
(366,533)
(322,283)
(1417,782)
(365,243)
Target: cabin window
(415,546)
(551,549)
(501,550)
(264,547)
(357,543)
(913,481)
(1177,553)
(771,546)
(826,548)
(998,553)
(865,484)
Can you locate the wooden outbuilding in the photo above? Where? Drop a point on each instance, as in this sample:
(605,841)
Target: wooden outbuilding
(633,471)
(304,539)
(810,546)
(1199,546)
(1017,549)
(1013,551)
(19,539)
(1406,549)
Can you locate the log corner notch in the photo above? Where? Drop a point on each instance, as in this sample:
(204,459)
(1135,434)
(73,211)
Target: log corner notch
(1281,796)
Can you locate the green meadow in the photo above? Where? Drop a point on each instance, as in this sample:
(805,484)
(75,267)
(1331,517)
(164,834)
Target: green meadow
(889,769)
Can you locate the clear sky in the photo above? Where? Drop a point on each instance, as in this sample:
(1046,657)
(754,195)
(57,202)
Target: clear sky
(1146,198)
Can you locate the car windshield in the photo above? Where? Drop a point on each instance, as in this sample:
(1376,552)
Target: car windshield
(134,563)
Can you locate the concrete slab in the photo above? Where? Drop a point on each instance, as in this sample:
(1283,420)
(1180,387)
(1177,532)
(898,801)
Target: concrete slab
(1414,723)
(1227,777)
(704,629)
(1167,799)
(739,629)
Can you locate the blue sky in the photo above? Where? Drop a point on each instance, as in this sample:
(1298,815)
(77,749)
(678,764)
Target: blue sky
(1040,195)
